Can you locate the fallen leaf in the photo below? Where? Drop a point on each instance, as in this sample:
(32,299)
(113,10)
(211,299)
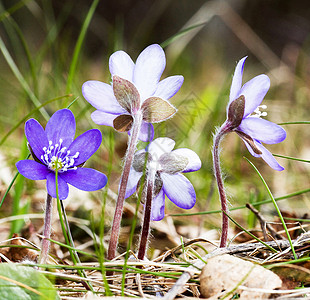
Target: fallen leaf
(223,275)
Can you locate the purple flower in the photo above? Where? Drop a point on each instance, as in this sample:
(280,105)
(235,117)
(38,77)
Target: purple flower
(136,87)
(244,116)
(55,148)
(168,166)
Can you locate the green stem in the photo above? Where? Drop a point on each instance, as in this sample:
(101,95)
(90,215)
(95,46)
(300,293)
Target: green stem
(276,207)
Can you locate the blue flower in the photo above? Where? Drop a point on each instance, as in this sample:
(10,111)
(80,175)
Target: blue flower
(244,116)
(168,166)
(56,149)
(136,87)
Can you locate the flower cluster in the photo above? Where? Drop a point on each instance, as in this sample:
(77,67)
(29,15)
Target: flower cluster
(167,164)
(55,149)
(134,100)
(136,88)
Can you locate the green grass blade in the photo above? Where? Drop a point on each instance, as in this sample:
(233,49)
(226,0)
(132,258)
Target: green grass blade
(13,9)
(242,206)
(180,34)
(21,79)
(295,123)
(79,43)
(252,235)
(16,225)
(291,158)
(11,184)
(275,205)
(28,116)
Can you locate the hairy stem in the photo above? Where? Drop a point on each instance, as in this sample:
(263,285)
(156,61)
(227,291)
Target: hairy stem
(147,214)
(219,180)
(47,230)
(133,139)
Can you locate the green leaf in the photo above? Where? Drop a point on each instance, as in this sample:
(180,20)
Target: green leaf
(157,110)
(126,94)
(23,283)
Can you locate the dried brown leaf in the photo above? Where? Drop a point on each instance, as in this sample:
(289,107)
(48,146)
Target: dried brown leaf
(223,274)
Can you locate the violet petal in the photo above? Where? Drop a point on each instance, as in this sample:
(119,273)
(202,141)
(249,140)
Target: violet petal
(100,95)
(133,180)
(36,137)
(121,64)
(63,189)
(158,207)
(179,190)
(149,67)
(254,92)
(169,86)
(32,169)
(262,130)
(194,162)
(86,144)
(249,147)
(103,118)
(268,158)
(237,81)
(61,126)
(146,132)
(85,179)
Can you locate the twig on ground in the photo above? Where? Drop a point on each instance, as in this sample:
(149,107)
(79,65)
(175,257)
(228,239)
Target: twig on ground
(264,224)
(186,276)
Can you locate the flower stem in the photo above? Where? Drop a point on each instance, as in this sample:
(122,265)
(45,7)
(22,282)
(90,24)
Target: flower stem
(133,139)
(218,176)
(147,214)
(47,230)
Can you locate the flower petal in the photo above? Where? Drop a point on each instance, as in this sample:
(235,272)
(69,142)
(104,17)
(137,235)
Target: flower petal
(32,169)
(85,179)
(194,162)
(158,207)
(63,189)
(179,190)
(36,137)
(100,95)
(150,65)
(86,144)
(237,81)
(262,130)
(146,132)
(254,92)
(61,126)
(169,86)
(268,158)
(133,180)
(160,146)
(103,118)
(121,64)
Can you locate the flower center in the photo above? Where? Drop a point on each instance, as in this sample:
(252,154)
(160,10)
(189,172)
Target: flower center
(257,113)
(58,158)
